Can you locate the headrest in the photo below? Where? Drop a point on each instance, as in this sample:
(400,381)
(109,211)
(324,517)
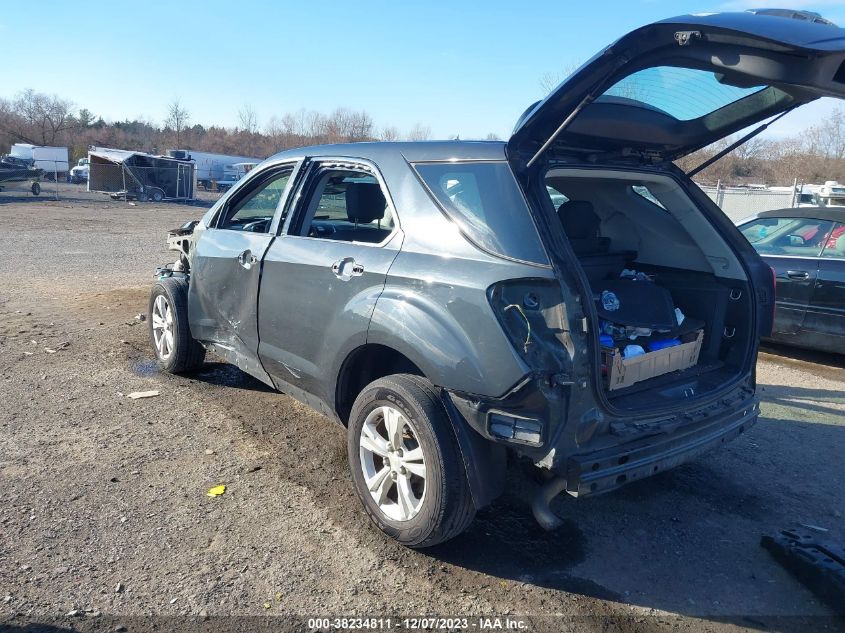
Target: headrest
(578,219)
(840,243)
(364,202)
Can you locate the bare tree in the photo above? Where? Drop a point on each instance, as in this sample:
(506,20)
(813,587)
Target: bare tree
(47,116)
(248,119)
(390,133)
(492,136)
(177,119)
(419,133)
(551,79)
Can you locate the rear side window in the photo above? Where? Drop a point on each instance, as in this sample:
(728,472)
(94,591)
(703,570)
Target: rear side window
(485,200)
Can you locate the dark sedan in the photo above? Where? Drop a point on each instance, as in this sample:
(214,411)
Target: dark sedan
(806,249)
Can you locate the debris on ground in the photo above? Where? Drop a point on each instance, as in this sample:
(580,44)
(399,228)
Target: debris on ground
(216,491)
(814,528)
(136,395)
(58,347)
(140,317)
(818,564)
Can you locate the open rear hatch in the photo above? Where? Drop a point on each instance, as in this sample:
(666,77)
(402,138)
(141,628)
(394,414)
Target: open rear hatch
(672,87)
(601,141)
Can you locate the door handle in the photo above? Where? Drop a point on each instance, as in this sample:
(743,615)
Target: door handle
(797,274)
(347,268)
(247,259)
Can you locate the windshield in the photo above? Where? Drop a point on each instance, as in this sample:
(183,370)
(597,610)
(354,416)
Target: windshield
(682,93)
(485,200)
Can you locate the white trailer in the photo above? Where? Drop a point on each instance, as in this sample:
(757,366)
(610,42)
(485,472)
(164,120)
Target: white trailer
(53,160)
(211,168)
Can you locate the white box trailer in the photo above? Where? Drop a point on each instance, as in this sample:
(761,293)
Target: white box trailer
(53,160)
(211,168)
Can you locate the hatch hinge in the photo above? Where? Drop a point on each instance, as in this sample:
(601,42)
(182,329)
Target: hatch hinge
(683,37)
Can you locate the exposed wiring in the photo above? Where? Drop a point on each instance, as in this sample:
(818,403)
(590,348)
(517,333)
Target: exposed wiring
(527,324)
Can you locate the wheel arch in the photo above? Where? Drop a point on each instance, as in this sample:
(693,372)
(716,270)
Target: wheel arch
(363,365)
(485,462)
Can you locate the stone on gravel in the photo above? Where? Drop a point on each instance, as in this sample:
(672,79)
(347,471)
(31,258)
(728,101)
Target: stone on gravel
(136,395)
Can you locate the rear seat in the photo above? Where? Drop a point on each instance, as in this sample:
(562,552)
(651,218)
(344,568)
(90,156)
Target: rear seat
(365,203)
(582,226)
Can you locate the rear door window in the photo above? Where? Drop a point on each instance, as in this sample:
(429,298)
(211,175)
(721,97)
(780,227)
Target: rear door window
(485,201)
(347,205)
(835,246)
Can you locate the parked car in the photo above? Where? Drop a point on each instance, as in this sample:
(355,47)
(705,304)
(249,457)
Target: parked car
(433,299)
(806,249)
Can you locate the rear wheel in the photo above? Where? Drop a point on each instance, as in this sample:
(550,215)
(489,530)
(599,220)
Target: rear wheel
(36,189)
(176,350)
(156,195)
(406,464)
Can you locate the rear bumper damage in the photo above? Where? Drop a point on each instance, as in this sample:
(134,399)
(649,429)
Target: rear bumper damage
(590,452)
(604,470)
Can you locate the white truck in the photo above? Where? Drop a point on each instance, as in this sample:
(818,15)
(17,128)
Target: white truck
(80,173)
(211,169)
(832,194)
(53,160)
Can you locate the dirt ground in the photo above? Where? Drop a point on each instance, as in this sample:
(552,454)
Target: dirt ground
(104,508)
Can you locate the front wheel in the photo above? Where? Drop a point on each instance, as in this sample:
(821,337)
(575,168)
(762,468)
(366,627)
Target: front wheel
(176,350)
(406,463)
(36,189)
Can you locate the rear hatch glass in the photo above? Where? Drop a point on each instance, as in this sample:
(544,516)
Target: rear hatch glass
(485,201)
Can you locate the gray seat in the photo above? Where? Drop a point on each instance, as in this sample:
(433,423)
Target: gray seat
(582,225)
(365,203)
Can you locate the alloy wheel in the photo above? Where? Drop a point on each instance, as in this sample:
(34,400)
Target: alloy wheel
(393,463)
(162,316)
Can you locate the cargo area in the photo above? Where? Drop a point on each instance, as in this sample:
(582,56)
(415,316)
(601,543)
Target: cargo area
(672,300)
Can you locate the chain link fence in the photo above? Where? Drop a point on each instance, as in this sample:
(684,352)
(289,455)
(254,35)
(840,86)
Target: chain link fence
(740,202)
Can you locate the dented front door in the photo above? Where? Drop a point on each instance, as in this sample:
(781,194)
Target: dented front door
(226,268)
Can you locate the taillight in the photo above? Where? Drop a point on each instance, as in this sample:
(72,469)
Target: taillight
(532,316)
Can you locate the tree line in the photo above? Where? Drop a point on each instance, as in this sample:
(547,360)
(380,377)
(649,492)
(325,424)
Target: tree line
(43,119)
(816,155)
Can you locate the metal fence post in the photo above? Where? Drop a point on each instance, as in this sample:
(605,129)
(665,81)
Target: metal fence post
(123,175)
(794,193)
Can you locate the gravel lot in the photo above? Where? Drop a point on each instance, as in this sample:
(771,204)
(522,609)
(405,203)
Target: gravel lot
(104,505)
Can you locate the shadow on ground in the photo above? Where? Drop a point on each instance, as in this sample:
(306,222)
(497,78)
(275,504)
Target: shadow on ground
(685,541)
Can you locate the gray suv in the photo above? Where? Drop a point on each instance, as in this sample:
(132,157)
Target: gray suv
(568,298)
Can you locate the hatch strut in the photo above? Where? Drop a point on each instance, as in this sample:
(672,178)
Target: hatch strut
(587,100)
(584,102)
(736,144)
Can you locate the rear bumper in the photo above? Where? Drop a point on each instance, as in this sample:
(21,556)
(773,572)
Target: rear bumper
(604,470)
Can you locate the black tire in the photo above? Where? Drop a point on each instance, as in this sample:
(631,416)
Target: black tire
(447,508)
(156,195)
(36,189)
(187,354)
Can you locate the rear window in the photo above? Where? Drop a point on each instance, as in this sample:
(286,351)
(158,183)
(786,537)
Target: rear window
(682,93)
(485,200)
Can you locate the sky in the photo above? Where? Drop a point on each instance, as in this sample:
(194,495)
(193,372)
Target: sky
(460,68)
